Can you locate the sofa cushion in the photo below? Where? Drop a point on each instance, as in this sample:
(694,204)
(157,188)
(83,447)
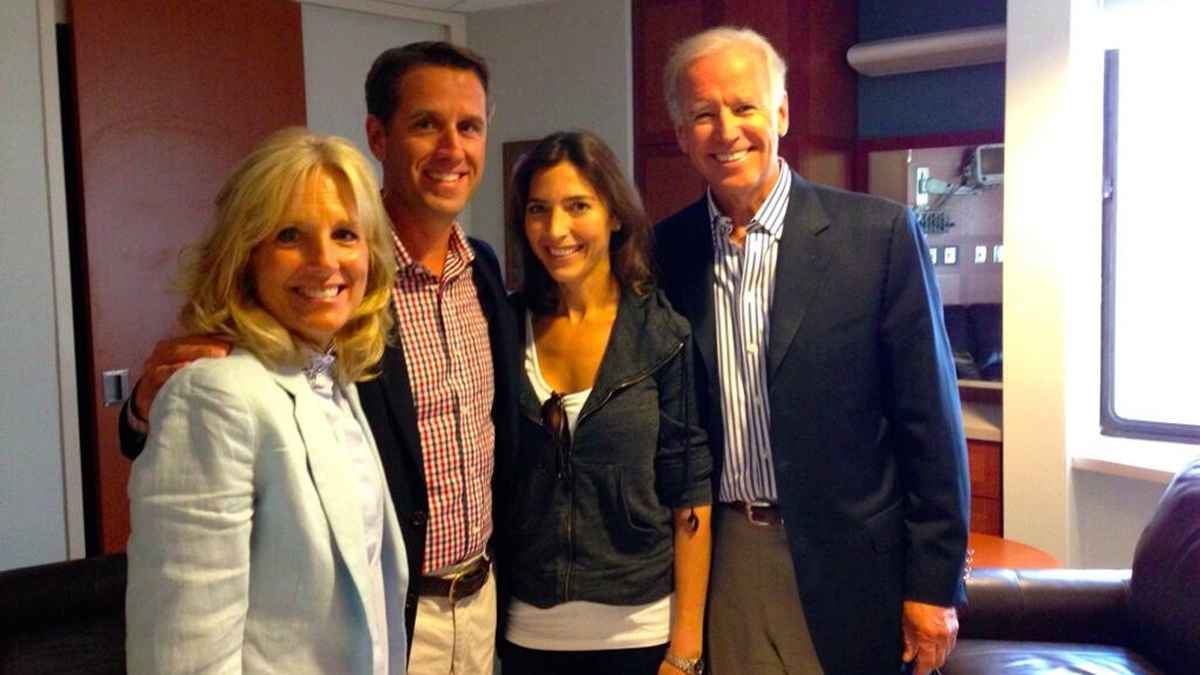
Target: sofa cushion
(980,657)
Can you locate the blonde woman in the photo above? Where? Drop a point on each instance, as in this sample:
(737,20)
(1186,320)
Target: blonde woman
(263,537)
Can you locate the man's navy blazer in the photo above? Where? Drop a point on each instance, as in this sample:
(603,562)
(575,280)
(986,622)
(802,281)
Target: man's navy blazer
(865,425)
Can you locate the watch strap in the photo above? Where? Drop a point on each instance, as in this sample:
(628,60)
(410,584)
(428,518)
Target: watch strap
(690,666)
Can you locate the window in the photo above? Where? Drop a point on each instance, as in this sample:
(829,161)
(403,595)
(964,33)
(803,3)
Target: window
(1150,344)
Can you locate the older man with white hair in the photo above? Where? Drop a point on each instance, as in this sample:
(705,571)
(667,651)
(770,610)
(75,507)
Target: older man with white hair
(827,388)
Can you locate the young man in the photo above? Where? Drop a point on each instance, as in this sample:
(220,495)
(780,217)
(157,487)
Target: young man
(827,389)
(443,411)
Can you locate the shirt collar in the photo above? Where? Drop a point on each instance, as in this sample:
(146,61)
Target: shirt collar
(459,248)
(769,216)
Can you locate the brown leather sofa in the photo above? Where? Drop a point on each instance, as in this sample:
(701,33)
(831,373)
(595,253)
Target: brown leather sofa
(64,618)
(1144,620)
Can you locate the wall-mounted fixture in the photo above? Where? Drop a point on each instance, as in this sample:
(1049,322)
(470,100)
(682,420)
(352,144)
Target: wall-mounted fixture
(929,51)
(982,169)
(987,164)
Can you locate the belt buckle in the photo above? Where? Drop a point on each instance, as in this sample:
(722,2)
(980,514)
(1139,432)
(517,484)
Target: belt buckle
(462,576)
(748,510)
(453,594)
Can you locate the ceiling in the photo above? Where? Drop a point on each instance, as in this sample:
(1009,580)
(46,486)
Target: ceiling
(465,5)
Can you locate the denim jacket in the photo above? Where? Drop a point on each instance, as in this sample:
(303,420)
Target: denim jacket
(601,527)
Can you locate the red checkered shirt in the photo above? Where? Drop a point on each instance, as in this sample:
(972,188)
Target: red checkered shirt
(449,357)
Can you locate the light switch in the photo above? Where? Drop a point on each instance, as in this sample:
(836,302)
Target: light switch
(998,253)
(116,386)
(950,255)
(980,254)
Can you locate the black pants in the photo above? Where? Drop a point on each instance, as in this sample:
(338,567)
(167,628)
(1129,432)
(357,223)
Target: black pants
(517,660)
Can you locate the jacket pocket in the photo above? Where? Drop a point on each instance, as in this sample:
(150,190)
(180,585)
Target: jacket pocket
(628,519)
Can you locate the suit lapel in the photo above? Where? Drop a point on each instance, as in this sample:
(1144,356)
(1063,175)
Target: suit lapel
(335,486)
(799,272)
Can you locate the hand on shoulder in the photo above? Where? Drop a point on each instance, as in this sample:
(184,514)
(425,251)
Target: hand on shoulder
(169,356)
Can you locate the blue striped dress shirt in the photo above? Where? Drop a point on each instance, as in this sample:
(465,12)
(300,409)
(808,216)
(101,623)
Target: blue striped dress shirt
(743,288)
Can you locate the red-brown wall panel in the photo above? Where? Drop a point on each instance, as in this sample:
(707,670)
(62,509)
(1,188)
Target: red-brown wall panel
(170,95)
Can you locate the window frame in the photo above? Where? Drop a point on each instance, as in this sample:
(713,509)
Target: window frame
(1111,423)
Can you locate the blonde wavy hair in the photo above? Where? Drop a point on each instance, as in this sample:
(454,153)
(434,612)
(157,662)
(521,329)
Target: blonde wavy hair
(218,279)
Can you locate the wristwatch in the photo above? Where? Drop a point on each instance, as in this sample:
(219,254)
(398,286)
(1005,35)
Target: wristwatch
(690,666)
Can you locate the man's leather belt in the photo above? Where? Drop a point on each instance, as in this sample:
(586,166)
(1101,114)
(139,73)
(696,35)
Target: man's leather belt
(461,585)
(762,514)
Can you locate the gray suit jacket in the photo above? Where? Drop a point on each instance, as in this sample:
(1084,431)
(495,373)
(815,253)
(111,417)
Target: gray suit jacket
(248,552)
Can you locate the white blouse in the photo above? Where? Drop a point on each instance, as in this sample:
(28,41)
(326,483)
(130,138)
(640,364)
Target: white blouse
(350,435)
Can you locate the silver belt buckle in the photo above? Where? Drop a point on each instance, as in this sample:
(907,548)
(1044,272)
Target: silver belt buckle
(748,510)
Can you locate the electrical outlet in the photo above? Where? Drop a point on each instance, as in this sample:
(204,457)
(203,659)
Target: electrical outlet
(933,254)
(980,254)
(922,197)
(950,255)
(998,253)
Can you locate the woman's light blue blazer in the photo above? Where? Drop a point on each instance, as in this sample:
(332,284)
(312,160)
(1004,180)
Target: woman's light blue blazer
(247,553)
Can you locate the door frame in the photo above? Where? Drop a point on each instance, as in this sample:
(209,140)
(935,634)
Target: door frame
(51,13)
(456,24)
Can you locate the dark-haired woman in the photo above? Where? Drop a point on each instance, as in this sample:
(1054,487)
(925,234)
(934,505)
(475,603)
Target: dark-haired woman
(607,553)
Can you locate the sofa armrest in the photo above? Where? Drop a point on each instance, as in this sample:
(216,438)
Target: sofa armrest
(1047,605)
(48,594)
(65,618)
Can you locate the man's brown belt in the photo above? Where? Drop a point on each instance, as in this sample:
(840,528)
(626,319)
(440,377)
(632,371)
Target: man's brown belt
(461,585)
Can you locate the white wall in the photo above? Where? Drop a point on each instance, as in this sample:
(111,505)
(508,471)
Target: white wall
(1067,489)
(557,65)
(342,38)
(339,47)
(40,512)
